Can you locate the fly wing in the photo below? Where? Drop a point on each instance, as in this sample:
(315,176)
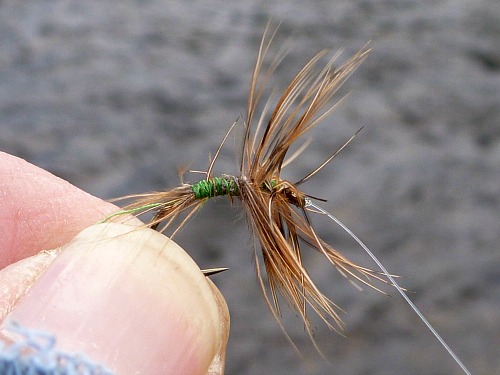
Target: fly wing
(303,104)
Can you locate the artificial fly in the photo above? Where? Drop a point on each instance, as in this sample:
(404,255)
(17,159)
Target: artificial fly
(277,211)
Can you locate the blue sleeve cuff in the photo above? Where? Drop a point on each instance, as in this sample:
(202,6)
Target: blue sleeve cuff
(35,354)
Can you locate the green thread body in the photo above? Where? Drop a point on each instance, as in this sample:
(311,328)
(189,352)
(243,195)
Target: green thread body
(215,187)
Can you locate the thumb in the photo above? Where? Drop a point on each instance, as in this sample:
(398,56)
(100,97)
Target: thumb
(130,299)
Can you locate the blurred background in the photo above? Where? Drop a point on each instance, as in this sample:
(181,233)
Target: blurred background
(115,96)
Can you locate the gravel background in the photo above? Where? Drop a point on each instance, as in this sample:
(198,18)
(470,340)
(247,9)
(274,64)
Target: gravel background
(114,96)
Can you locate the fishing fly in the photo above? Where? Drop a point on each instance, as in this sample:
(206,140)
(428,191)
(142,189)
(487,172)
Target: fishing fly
(276,209)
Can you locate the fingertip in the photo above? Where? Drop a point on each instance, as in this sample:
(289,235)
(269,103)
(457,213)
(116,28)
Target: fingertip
(218,363)
(40,211)
(130,299)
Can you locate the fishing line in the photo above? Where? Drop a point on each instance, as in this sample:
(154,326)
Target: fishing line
(393,281)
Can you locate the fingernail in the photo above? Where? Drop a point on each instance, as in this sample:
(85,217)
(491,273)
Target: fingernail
(130,299)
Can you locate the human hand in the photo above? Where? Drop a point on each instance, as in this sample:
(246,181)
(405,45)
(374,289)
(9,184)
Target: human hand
(126,297)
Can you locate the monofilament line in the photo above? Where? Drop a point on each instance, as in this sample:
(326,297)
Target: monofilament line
(393,281)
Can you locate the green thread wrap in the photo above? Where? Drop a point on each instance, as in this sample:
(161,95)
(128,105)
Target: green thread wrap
(215,187)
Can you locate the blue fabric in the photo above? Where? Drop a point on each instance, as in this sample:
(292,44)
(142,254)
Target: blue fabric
(35,354)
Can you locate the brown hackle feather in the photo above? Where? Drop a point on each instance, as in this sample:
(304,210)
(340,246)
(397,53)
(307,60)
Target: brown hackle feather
(279,227)
(277,211)
(275,208)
